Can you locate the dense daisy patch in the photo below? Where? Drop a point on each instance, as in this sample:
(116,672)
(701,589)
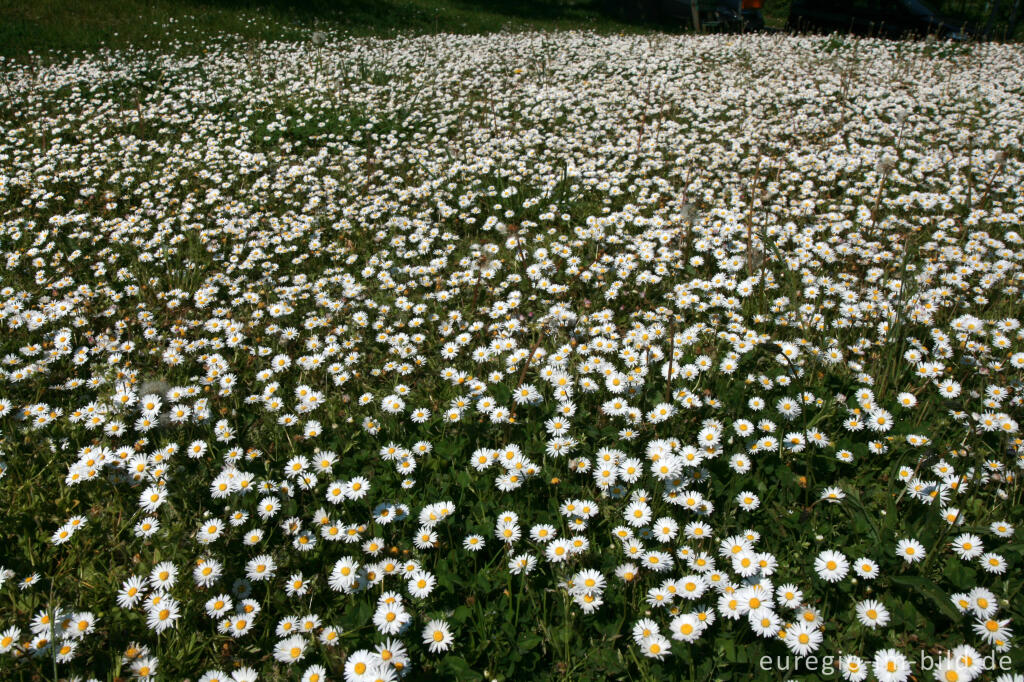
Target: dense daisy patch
(522,356)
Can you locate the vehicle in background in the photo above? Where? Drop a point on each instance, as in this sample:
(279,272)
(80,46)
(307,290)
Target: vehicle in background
(733,15)
(883,18)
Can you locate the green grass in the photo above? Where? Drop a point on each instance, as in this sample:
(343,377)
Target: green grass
(71,25)
(775,13)
(42,26)
(39,27)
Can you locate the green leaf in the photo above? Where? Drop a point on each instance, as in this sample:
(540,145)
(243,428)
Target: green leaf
(926,587)
(962,577)
(508,629)
(501,393)
(529,641)
(482,582)
(1014,549)
(458,668)
(608,628)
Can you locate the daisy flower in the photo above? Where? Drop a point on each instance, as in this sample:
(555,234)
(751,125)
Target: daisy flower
(803,638)
(853,668)
(789,595)
(62,534)
(656,646)
(144,667)
(993,563)
(910,550)
(643,628)
(315,673)
(359,665)
(872,613)
(261,567)
(1001,529)
(764,622)
(951,670)
(831,566)
(291,649)
(131,592)
(866,568)
(164,616)
(889,665)
(438,636)
(686,628)
(421,584)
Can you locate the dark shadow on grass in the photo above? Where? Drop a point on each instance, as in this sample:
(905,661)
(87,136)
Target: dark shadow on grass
(73,25)
(472,15)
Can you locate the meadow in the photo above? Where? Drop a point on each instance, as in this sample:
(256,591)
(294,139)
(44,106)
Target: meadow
(525,356)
